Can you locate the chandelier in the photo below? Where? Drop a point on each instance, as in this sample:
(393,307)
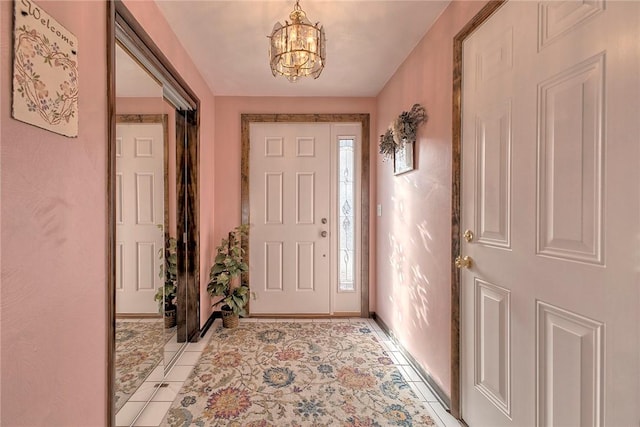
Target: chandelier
(297,49)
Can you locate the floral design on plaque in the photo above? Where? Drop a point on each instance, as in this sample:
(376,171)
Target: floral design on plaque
(45,71)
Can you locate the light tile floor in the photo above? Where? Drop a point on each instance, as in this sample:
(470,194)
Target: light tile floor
(154,412)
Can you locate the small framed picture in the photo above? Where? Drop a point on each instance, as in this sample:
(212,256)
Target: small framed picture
(403,159)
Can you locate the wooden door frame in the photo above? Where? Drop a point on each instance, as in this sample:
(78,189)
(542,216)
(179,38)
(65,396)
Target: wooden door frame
(489,9)
(363,119)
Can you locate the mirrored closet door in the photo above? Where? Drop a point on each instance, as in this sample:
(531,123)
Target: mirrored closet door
(153,207)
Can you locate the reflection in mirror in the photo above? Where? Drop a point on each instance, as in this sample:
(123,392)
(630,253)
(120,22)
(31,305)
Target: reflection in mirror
(146,229)
(141,209)
(154,202)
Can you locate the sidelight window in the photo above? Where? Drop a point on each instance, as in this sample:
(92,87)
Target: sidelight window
(346,215)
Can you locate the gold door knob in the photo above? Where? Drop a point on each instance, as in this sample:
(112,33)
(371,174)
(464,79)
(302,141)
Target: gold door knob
(468,236)
(463,262)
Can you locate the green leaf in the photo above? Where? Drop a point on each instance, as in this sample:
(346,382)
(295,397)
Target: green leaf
(238,302)
(216,269)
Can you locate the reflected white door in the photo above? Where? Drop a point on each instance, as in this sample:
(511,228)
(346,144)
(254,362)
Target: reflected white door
(139,216)
(304,215)
(550,173)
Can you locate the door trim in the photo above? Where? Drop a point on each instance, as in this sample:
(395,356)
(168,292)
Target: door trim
(489,9)
(363,119)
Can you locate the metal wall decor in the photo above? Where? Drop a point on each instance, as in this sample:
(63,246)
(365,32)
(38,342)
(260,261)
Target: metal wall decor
(398,141)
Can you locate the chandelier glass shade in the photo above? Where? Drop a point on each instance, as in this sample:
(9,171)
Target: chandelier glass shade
(297,48)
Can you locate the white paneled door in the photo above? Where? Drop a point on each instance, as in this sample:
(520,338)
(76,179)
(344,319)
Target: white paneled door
(139,216)
(293,215)
(550,298)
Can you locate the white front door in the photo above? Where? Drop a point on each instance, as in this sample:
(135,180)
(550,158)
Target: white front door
(294,235)
(550,172)
(139,216)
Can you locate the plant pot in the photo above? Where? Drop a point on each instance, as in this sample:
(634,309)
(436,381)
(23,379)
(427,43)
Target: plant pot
(169,318)
(229,319)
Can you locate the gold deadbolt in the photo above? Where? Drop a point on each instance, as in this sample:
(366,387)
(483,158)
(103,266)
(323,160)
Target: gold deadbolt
(468,236)
(464,262)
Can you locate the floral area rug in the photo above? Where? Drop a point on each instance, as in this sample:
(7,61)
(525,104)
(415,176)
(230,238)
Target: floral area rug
(139,349)
(296,374)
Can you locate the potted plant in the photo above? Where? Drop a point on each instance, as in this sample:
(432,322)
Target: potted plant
(225,276)
(166,295)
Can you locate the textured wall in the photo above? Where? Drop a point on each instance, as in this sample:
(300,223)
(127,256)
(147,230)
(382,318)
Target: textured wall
(53,291)
(54,223)
(414,232)
(227,165)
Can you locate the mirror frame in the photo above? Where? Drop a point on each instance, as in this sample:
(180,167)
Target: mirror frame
(188,198)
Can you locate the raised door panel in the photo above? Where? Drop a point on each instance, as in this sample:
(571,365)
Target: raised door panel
(494,59)
(305,198)
(305,271)
(146,267)
(145,201)
(273,146)
(557,18)
(273,265)
(493,175)
(273,198)
(570,368)
(493,344)
(570,156)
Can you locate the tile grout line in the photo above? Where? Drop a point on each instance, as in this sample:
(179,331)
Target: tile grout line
(426,403)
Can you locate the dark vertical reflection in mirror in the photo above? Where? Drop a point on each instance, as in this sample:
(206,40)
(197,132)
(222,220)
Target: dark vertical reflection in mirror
(188,295)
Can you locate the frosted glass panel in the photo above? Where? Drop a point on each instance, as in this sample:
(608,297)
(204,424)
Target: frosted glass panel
(346,215)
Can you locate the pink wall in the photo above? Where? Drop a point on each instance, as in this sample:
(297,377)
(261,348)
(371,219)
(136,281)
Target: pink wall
(53,313)
(227,164)
(414,232)
(154,23)
(126,105)
(54,217)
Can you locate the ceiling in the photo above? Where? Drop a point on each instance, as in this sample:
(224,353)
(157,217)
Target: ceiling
(367,40)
